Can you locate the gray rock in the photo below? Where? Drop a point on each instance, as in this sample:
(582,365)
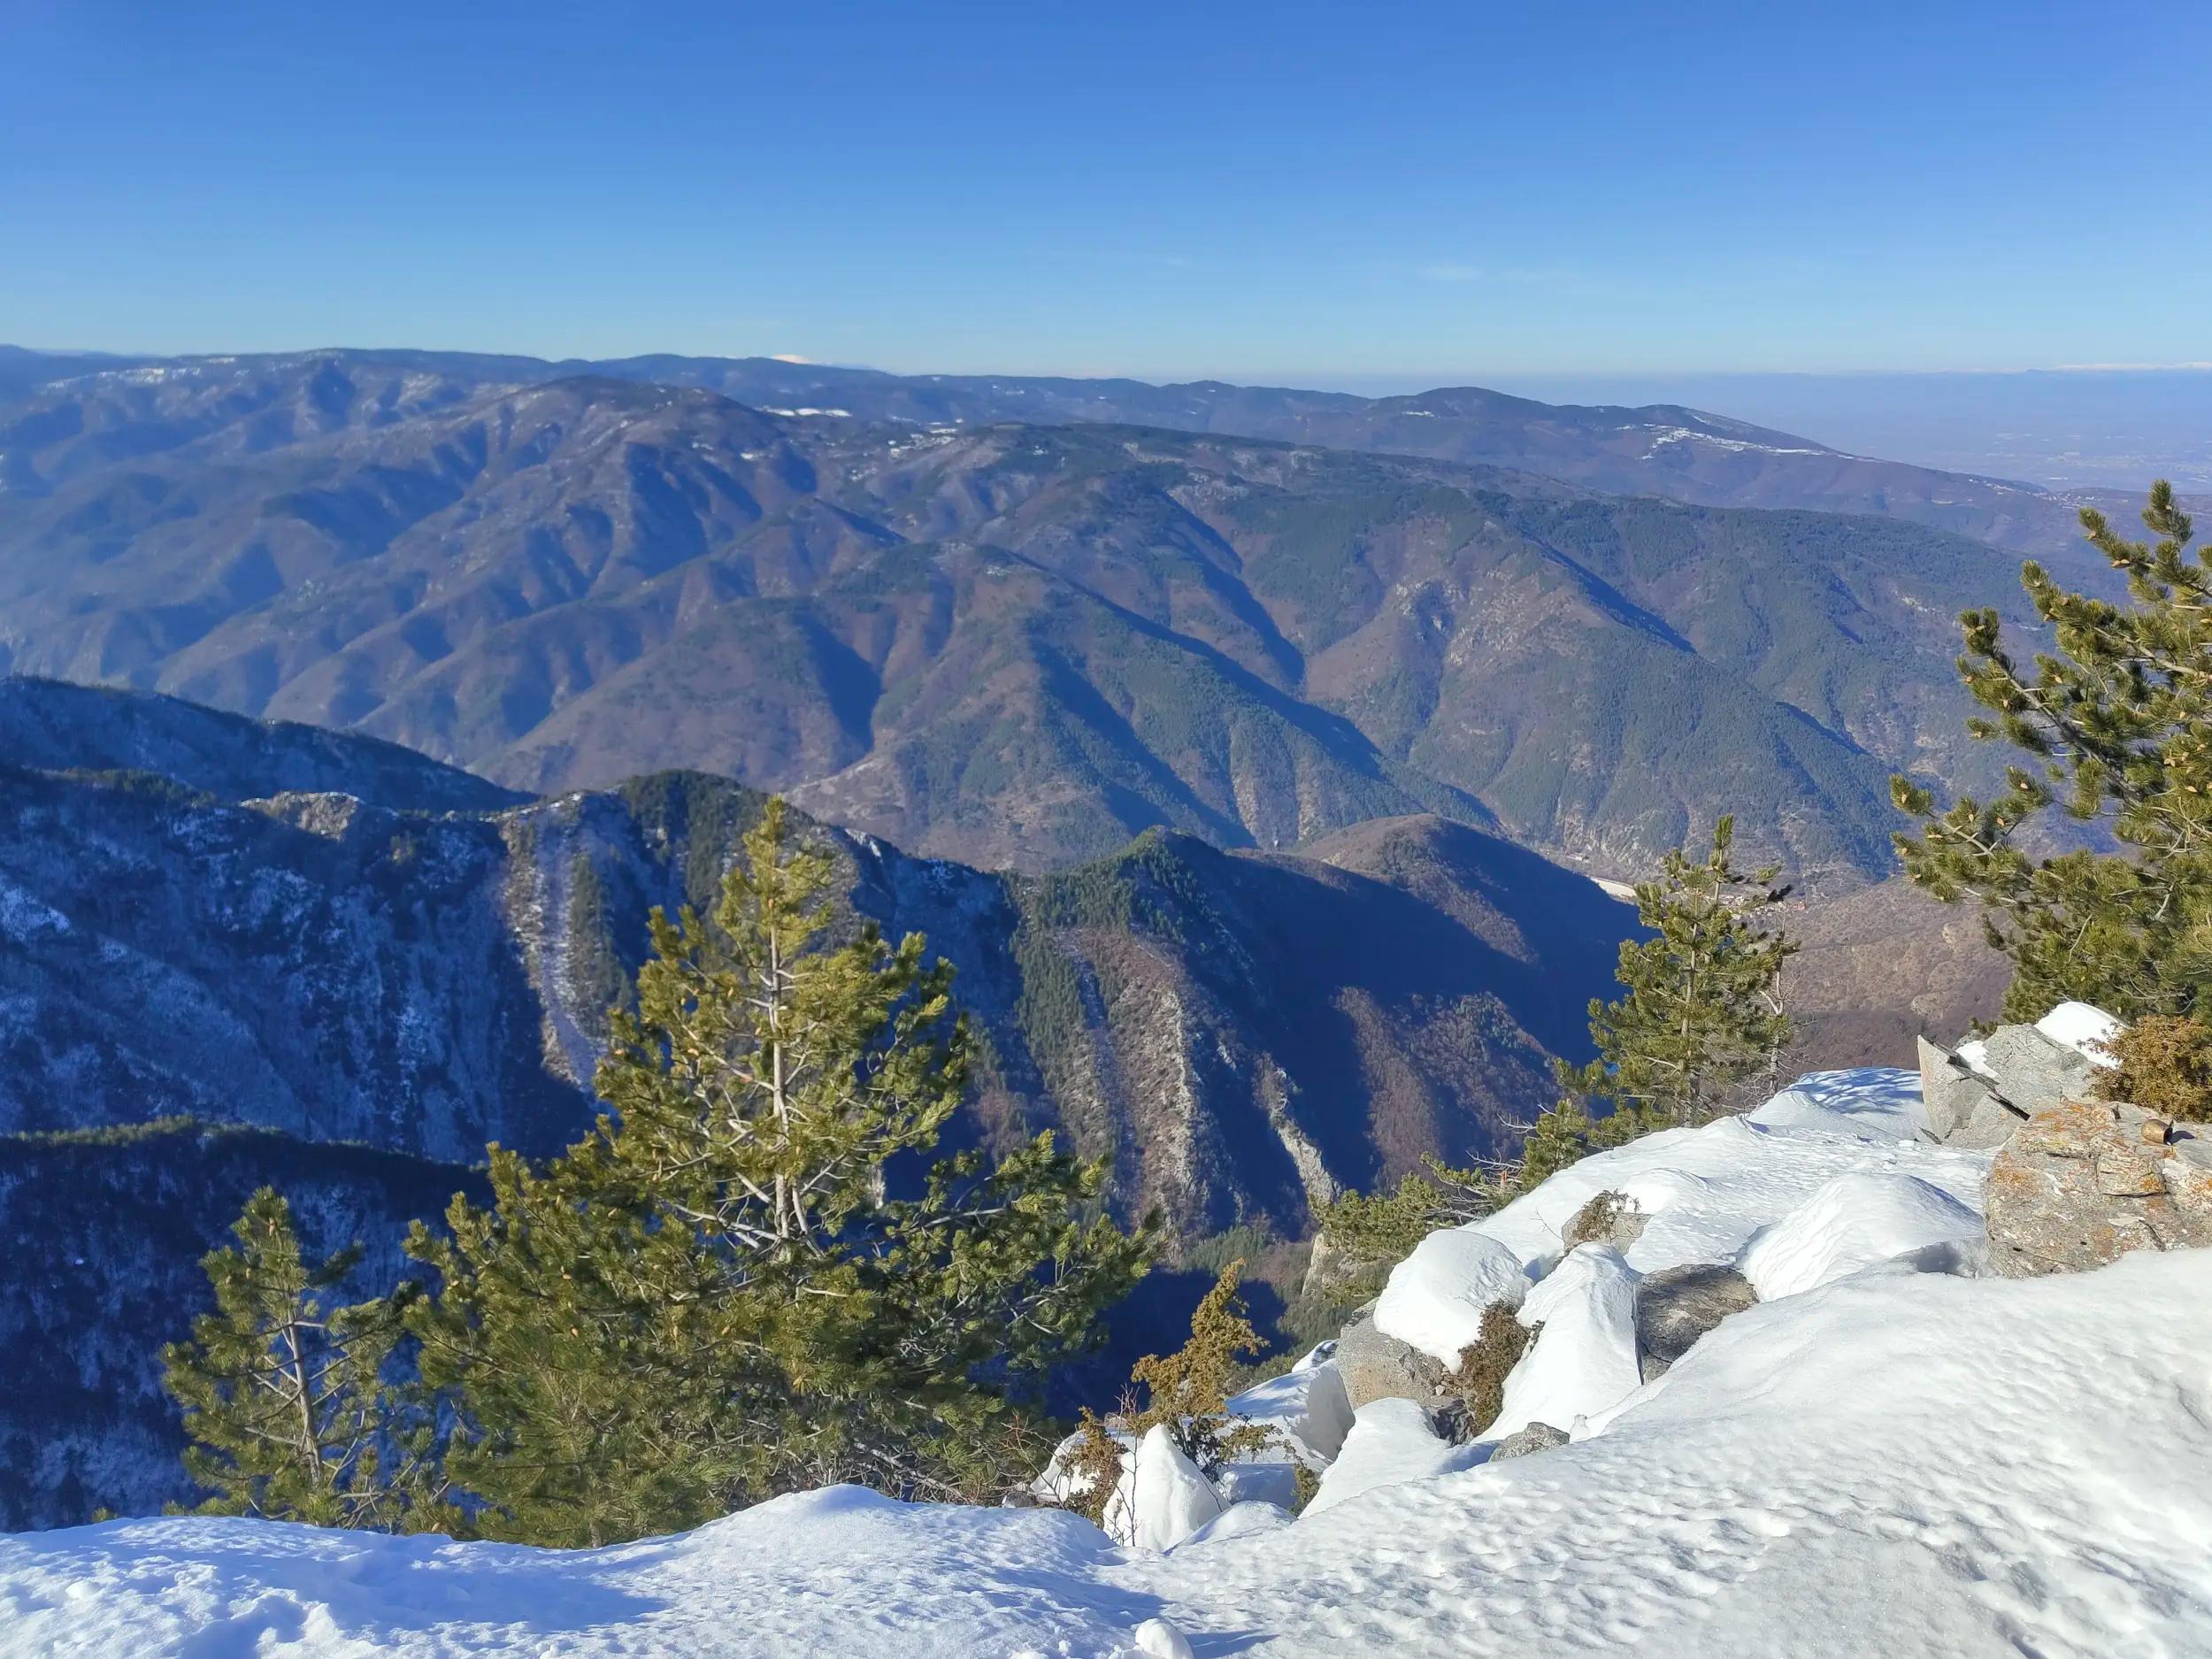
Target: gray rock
(1959,1108)
(1378,1367)
(1537,1437)
(1611,1218)
(2084,1183)
(1677,1305)
(2033,1071)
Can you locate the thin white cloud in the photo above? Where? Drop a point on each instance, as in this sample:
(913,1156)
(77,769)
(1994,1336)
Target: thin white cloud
(788,356)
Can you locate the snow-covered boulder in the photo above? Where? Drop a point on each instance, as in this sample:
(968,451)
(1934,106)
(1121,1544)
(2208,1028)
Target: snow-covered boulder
(1392,1443)
(2085,1028)
(1856,1221)
(1306,1406)
(1162,1498)
(1980,1095)
(1436,1297)
(1059,1483)
(1240,1520)
(1705,1191)
(1537,1437)
(1584,1357)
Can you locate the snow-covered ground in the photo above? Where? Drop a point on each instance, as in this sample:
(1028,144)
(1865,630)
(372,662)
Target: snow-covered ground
(1890,1454)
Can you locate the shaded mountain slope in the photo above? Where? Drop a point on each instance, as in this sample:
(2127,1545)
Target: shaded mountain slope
(53,725)
(349,999)
(426,982)
(104,1233)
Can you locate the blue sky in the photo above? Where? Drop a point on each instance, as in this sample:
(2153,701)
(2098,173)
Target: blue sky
(1327,194)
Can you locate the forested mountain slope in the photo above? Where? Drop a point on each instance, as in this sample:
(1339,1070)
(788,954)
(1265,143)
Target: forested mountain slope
(426,981)
(351,999)
(1007,644)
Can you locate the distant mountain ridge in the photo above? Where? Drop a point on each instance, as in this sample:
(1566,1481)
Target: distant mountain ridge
(1669,449)
(52,726)
(1001,643)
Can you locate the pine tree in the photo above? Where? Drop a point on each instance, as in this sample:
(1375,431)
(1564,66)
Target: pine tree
(1701,1011)
(1375,1231)
(285,1398)
(757,1273)
(1186,1392)
(2119,716)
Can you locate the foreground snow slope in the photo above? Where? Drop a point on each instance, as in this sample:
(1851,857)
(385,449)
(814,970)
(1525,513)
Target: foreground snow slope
(1886,1456)
(1898,1463)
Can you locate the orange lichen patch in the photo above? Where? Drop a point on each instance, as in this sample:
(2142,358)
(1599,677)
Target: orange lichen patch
(2065,1131)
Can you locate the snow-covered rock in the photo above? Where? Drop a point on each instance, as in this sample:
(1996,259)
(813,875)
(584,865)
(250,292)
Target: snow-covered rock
(1582,1360)
(1162,1498)
(1706,1191)
(1306,1405)
(1677,1306)
(1435,1298)
(2085,1028)
(1979,1097)
(1374,1367)
(1240,1520)
(1392,1443)
(1537,1437)
(1058,1482)
(1855,1221)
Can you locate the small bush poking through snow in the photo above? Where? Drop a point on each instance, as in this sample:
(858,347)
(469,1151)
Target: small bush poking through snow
(1478,1381)
(1608,1219)
(2165,1067)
